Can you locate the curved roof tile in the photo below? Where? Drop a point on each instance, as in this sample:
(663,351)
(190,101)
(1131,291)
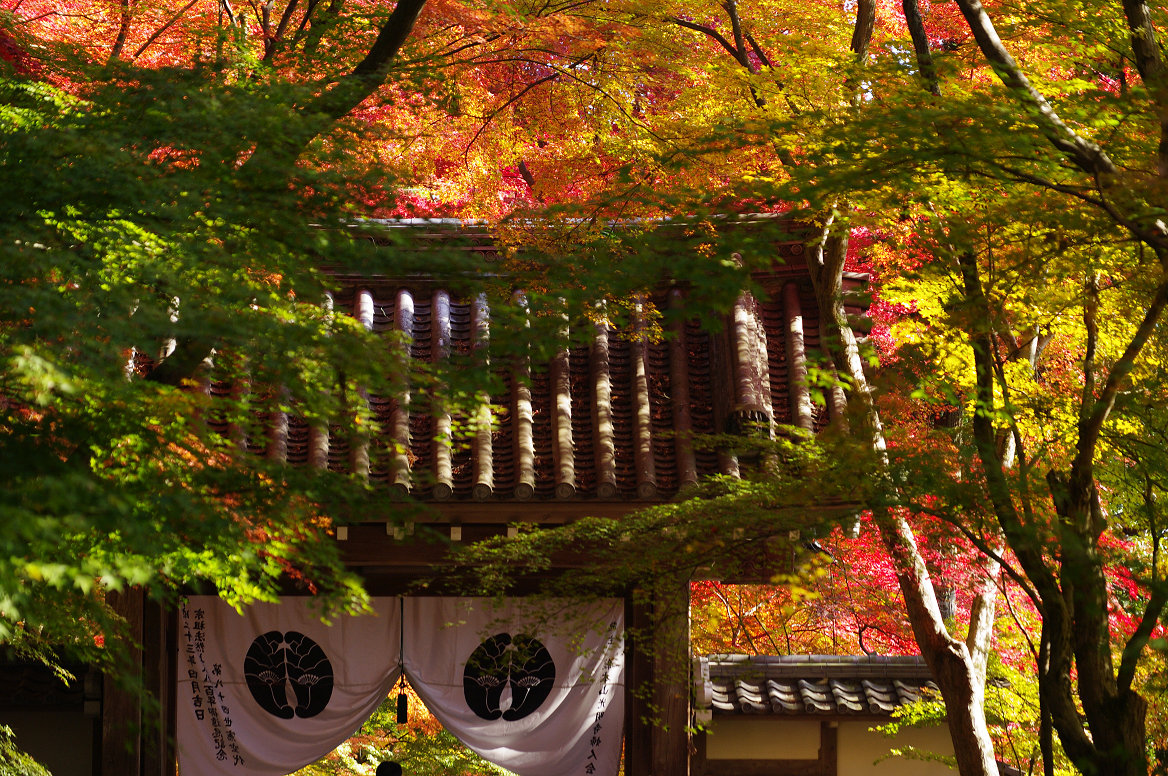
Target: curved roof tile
(815,685)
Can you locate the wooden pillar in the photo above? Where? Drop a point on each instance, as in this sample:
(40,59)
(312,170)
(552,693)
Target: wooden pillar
(722,378)
(828,748)
(671,683)
(121,713)
(158,662)
(137,737)
(658,681)
(638,726)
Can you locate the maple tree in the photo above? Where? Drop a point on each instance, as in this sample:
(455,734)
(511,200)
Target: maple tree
(1052,513)
(958,664)
(847,603)
(157,235)
(173,248)
(930,183)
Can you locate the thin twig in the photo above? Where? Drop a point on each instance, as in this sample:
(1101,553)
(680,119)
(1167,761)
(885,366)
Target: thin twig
(162,29)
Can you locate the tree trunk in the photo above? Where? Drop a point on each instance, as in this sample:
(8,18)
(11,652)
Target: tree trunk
(124,18)
(1115,715)
(273,163)
(958,668)
(1072,595)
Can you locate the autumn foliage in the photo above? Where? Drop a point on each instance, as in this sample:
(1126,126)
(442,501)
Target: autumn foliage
(1004,187)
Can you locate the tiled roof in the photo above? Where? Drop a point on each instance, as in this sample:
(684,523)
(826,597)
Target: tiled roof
(810,685)
(611,420)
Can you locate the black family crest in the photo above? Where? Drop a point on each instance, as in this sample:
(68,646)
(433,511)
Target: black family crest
(522,665)
(276,660)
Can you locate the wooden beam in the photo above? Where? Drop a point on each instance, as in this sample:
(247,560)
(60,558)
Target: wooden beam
(368,546)
(524,416)
(749,356)
(759,768)
(549,512)
(359,443)
(277,451)
(318,433)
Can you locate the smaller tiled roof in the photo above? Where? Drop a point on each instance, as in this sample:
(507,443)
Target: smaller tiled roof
(810,685)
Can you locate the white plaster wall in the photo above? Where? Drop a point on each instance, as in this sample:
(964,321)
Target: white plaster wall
(859,749)
(762,738)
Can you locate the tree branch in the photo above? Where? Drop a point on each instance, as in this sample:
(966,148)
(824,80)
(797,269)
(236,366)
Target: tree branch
(986,548)
(1021,628)
(1135,645)
(865,26)
(1145,49)
(318,27)
(272,42)
(389,40)
(758,52)
(1150,62)
(920,39)
(1080,151)
(1026,548)
(490,116)
(1091,324)
(166,25)
(710,32)
(344,95)
(1091,423)
(981,619)
(739,43)
(184,361)
(522,91)
(124,19)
